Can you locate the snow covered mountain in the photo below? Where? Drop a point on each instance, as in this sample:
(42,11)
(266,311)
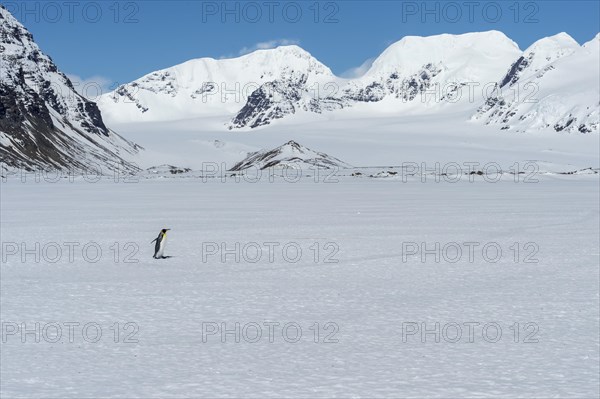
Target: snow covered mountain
(207,86)
(43,121)
(553,85)
(292,155)
(258,88)
(550,86)
(432,70)
(416,72)
(538,56)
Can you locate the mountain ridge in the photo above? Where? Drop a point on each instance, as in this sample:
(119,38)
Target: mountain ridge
(415,74)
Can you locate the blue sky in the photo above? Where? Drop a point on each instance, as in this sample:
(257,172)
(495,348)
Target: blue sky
(116,42)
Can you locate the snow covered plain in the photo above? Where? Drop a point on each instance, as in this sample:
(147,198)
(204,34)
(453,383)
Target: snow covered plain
(372,296)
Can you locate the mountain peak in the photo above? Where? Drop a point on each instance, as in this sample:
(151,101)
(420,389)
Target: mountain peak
(490,35)
(292,144)
(14,37)
(563,35)
(539,56)
(288,55)
(412,52)
(561,42)
(289,155)
(288,49)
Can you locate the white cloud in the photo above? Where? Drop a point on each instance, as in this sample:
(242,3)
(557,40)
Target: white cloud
(92,87)
(358,71)
(268,45)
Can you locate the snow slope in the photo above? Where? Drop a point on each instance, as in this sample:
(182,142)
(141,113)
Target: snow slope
(557,88)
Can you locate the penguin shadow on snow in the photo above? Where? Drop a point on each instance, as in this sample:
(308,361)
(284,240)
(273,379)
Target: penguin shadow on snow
(159,246)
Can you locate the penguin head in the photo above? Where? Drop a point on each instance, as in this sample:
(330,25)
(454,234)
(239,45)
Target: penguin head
(164,231)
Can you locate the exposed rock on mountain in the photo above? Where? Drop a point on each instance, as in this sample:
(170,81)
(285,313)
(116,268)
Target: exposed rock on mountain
(292,155)
(44,122)
(554,85)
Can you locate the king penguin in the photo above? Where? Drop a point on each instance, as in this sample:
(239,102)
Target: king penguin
(159,247)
